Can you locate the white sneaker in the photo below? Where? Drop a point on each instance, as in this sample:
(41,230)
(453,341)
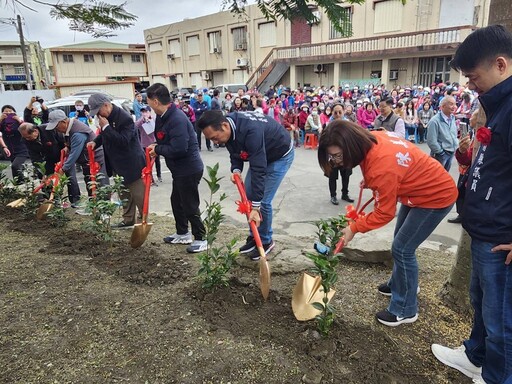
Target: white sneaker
(456,358)
(83,212)
(197,246)
(178,239)
(479,380)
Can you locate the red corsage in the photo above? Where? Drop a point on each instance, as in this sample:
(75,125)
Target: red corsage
(48,143)
(160,135)
(483,135)
(244,155)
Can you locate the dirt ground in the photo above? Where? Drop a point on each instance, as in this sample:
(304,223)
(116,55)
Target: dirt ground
(73,311)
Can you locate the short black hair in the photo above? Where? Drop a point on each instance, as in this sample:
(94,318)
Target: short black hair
(160,92)
(216,92)
(8,106)
(388,100)
(482,45)
(212,119)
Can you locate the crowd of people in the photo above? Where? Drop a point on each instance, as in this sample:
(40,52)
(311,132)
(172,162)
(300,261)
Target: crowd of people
(370,127)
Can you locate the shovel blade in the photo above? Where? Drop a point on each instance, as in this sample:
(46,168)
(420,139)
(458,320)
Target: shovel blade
(139,234)
(264,277)
(17,203)
(43,210)
(307,291)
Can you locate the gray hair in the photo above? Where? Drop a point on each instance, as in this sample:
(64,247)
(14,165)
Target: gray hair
(27,127)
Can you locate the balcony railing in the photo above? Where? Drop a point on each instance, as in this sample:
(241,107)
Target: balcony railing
(373,44)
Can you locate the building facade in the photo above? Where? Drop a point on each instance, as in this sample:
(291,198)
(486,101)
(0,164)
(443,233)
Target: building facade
(12,69)
(385,41)
(112,67)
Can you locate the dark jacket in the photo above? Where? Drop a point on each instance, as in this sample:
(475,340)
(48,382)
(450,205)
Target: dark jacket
(46,148)
(13,139)
(177,142)
(487,211)
(121,146)
(29,118)
(387,123)
(260,140)
(76,139)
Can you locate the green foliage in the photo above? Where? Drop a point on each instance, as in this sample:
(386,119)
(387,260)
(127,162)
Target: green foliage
(215,262)
(102,209)
(292,9)
(31,200)
(329,232)
(7,190)
(97,18)
(57,214)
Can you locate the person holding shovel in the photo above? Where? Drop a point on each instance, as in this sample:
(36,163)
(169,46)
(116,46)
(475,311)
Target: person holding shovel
(176,141)
(395,170)
(123,153)
(269,149)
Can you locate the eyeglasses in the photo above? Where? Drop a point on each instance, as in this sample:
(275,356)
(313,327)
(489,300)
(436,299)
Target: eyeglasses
(335,158)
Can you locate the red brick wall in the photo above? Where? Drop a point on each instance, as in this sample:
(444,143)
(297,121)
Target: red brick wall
(301,32)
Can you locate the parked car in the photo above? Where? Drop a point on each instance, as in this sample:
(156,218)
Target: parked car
(67,104)
(184,92)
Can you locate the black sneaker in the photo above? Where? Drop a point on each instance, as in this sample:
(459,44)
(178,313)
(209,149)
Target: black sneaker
(387,318)
(334,200)
(347,198)
(248,246)
(385,290)
(122,225)
(254,255)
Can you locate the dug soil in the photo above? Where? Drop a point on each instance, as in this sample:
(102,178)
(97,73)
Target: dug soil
(74,310)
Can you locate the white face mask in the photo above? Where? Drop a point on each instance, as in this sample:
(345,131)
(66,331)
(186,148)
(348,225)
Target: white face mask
(185,109)
(79,108)
(314,113)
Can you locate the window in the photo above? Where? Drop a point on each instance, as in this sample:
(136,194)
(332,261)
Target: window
(267,34)
(175,47)
(387,16)
(433,69)
(239,38)
(193,45)
(19,70)
(214,42)
(155,47)
(136,58)
(346,24)
(88,58)
(67,58)
(118,58)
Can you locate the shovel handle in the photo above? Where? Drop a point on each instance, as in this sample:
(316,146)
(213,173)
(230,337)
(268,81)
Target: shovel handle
(146,177)
(93,170)
(243,196)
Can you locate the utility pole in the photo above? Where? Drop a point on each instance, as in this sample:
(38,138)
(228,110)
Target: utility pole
(24,53)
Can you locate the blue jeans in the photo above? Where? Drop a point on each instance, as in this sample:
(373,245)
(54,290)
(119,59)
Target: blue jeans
(413,226)
(275,173)
(445,159)
(490,291)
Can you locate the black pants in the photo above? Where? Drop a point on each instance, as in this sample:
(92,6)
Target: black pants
(158,167)
(333,178)
(198,132)
(17,167)
(73,188)
(185,205)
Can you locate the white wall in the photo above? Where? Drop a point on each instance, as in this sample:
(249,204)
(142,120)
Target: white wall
(19,99)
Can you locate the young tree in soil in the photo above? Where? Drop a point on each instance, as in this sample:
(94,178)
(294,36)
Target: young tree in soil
(215,262)
(57,214)
(329,232)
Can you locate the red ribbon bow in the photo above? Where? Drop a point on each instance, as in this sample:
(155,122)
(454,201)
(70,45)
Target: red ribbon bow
(244,207)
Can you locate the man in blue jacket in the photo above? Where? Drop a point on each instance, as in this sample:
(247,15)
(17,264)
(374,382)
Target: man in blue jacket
(267,146)
(123,153)
(485,57)
(176,141)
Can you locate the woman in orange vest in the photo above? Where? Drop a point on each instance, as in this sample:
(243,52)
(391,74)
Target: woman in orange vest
(395,170)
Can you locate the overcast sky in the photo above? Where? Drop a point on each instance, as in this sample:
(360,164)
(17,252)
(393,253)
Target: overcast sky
(39,26)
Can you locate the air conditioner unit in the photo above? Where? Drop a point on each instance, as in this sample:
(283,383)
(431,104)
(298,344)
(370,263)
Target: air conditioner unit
(216,50)
(241,47)
(241,62)
(171,56)
(206,76)
(393,75)
(319,68)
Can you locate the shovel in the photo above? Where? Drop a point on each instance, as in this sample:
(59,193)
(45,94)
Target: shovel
(308,289)
(54,181)
(244,206)
(22,201)
(94,168)
(141,231)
